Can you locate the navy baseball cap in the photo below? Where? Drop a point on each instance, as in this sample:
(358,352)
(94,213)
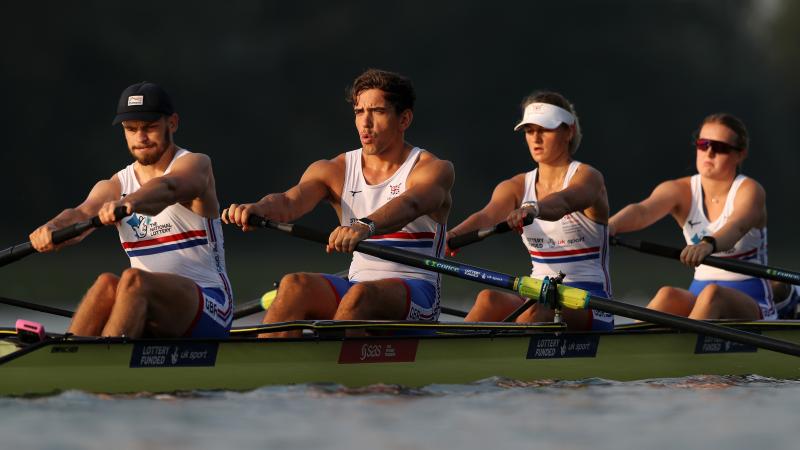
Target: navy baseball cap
(143,101)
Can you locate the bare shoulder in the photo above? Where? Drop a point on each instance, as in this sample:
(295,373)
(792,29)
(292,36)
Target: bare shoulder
(429,165)
(334,164)
(678,186)
(751,193)
(331,171)
(111,187)
(753,186)
(426,158)
(514,186)
(587,172)
(192,160)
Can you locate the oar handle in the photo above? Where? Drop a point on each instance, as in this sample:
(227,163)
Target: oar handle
(473,236)
(729,264)
(19,251)
(647,247)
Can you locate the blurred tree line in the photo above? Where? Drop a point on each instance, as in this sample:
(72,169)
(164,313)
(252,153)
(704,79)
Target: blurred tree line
(260,88)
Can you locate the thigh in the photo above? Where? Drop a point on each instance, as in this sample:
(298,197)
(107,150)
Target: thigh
(494,306)
(307,296)
(173,303)
(672,300)
(386,299)
(733,303)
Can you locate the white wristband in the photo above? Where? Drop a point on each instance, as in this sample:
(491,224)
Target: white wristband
(532,205)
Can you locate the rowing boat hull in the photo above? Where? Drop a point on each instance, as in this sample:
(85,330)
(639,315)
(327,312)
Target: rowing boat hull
(124,366)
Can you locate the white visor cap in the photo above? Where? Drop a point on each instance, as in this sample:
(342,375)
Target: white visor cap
(545,115)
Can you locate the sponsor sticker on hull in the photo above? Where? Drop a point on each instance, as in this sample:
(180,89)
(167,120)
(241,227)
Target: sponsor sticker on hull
(711,344)
(378,351)
(563,346)
(167,354)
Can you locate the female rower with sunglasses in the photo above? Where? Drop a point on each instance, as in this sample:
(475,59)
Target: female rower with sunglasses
(722,213)
(568,201)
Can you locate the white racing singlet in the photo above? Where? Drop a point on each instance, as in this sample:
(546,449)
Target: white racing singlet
(422,235)
(574,245)
(752,247)
(175,241)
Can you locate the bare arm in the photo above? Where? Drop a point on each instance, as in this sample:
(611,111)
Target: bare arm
(314,186)
(102,192)
(506,197)
(665,199)
(584,191)
(187,180)
(749,211)
(428,193)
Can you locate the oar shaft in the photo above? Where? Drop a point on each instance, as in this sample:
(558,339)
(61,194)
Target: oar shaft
(473,236)
(729,264)
(19,251)
(36,307)
(697,326)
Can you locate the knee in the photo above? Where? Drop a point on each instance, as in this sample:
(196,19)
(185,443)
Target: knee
(293,283)
(131,280)
(357,295)
(488,298)
(665,294)
(709,295)
(107,283)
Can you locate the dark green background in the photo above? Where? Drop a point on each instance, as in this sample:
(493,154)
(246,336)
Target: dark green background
(260,88)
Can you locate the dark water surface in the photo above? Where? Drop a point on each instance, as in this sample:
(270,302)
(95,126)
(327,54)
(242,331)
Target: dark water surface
(693,413)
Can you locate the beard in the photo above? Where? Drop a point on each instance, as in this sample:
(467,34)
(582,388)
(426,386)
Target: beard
(161,148)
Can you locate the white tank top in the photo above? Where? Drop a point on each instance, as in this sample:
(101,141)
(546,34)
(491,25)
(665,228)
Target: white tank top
(575,244)
(752,247)
(422,235)
(176,240)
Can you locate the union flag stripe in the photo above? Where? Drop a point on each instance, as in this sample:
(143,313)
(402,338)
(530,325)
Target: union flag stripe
(165,239)
(579,251)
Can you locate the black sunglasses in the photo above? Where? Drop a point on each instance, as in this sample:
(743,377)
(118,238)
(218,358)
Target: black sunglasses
(718,146)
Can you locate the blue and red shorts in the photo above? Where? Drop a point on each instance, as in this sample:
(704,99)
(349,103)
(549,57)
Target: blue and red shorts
(756,288)
(422,299)
(214,315)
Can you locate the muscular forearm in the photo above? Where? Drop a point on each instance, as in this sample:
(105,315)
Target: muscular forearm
(553,209)
(68,217)
(154,196)
(280,207)
(476,221)
(394,215)
(728,236)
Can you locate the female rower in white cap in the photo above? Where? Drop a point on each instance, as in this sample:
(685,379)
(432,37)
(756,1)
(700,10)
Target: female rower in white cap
(568,201)
(722,213)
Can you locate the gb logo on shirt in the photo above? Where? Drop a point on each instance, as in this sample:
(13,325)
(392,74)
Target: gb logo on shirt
(394,189)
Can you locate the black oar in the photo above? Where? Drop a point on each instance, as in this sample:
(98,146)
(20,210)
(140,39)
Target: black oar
(530,287)
(36,307)
(19,251)
(473,236)
(729,264)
